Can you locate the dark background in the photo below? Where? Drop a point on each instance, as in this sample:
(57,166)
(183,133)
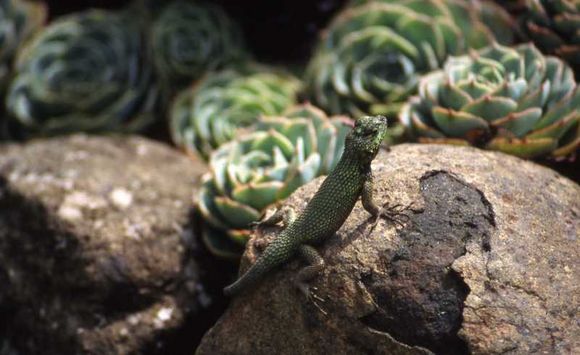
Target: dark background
(276,30)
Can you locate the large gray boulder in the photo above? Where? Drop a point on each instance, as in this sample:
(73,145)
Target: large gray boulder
(95,242)
(486,264)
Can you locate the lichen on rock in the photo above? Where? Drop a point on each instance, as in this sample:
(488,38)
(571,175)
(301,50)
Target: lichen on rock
(486,264)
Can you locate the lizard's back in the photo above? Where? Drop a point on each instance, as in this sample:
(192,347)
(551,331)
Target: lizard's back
(329,207)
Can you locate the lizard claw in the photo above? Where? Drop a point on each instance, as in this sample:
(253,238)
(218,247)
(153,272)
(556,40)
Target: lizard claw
(314,296)
(396,214)
(311,296)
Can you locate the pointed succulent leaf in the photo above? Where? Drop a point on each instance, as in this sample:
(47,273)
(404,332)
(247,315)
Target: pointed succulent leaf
(234,213)
(519,123)
(536,97)
(569,147)
(453,97)
(511,99)
(267,142)
(474,88)
(523,148)
(301,175)
(511,89)
(558,128)
(326,138)
(457,123)
(490,108)
(258,196)
(559,109)
(206,206)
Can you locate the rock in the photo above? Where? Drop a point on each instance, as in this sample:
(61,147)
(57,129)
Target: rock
(95,244)
(486,264)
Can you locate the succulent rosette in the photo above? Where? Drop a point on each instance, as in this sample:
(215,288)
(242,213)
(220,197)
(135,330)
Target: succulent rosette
(372,55)
(209,114)
(515,100)
(554,26)
(190,39)
(263,167)
(89,72)
(18,20)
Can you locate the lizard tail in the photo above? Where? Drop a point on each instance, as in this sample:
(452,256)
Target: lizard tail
(278,252)
(249,278)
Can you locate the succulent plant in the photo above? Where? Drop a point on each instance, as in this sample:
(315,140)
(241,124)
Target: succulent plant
(263,167)
(514,100)
(18,20)
(190,39)
(209,114)
(373,53)
(554,26)
(89,72)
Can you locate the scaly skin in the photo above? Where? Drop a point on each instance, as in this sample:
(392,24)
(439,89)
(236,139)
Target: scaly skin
(328,208)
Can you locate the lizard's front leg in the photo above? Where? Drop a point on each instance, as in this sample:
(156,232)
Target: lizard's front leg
(394,213)
(315,266)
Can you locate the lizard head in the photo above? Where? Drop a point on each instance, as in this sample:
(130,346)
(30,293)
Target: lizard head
(364,141)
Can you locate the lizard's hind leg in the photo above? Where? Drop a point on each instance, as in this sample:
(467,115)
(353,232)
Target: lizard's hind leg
(286,214)
(315,266)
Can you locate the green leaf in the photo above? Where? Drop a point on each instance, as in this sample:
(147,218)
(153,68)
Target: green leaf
(266,143)
(557,129)
(511,89)
(560,109)
(302,129)
(450,96)
(519,123)
(456,123)
(235,214)
(417,122)
(491,108)
(524,148)
(300,176)
(204,203)
(474,88)
(535,98)
(258,196)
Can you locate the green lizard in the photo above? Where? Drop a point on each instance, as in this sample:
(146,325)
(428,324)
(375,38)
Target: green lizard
(327,210)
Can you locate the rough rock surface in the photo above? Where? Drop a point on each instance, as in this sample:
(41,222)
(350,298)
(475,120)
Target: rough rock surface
(94,244)
(486,264)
